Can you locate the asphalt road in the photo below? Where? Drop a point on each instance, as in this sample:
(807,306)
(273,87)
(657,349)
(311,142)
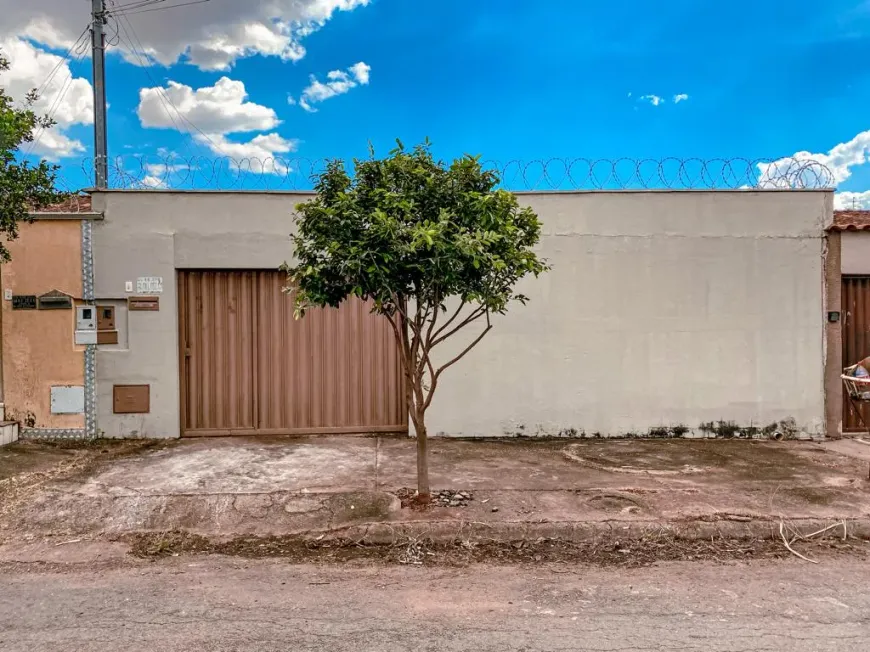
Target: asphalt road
(222,604)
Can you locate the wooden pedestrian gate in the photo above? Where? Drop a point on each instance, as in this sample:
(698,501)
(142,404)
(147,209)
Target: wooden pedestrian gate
(248,367)
(855,300)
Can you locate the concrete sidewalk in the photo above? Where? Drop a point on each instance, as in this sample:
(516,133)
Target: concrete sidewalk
(349,487)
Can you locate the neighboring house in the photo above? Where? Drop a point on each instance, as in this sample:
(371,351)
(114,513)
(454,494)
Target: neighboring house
(43,369)
(666,312)
(849,234)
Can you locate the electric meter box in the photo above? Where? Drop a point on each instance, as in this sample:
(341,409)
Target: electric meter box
(86,318)
(86,325)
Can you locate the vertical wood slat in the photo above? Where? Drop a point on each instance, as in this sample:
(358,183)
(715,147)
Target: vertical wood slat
(856,339)
(253,368)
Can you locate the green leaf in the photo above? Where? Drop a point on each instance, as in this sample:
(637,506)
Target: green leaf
(411,229)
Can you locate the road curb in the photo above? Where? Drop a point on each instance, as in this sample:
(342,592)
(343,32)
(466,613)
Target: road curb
(583,532)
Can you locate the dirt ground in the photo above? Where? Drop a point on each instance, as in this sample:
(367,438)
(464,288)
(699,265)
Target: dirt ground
(660,547)
(26,467)
(614,502)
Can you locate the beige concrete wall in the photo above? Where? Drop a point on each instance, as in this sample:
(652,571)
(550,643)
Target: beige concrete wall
(855,252)
(662,309)
(153,234)
(38,348)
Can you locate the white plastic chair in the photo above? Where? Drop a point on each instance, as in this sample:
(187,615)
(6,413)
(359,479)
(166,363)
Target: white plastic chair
(858,391)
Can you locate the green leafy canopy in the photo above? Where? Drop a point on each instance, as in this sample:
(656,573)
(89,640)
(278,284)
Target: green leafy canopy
(23,187)
(409,227)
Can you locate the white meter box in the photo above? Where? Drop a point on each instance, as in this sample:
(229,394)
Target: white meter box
(67,399)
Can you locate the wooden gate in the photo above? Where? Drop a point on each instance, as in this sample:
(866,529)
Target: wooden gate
(248,367)
(856,339)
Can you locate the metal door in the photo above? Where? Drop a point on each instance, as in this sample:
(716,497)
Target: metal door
(248,367)
(856,339)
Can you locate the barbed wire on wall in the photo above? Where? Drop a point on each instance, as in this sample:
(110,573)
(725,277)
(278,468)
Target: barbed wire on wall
(579,174)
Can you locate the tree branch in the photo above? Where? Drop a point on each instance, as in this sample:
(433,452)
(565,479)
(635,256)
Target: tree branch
(427,341)
(477,313)
(450,321)
(398,335)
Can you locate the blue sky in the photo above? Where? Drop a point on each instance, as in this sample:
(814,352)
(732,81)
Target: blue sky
(507,79)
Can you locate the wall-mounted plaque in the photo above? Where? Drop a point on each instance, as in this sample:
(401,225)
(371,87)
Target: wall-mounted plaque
(23,302)
(55,300)
(143,303)
(131,399)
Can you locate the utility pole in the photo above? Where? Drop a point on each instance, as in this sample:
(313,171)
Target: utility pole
(98,56)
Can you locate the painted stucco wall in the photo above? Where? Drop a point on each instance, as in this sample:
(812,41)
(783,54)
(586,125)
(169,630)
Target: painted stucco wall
(855,252)
(153,234)
(662,309)
(38,345)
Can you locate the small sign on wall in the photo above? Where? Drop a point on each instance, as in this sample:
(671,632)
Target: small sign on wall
(149,285)
(143,303)
(131,399)
(23,302)
(55,300)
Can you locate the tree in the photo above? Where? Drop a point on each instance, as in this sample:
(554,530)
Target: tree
(434,248)
(23,187)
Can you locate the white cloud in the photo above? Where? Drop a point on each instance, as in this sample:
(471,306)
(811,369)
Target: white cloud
(214,109)
(211,35)
(157,174)
(655,100)
(658,100)
(53,145)
(337,82)
(361,71)
(260,155)
(804,168)
(153,182)
(68,99)
(852,200)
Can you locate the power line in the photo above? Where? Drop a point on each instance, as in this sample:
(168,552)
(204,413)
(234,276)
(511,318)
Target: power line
(135,5)
(166,97)
(76,48)
(65,58)
(167,101)
(131,12)
(145,63)
(50,115)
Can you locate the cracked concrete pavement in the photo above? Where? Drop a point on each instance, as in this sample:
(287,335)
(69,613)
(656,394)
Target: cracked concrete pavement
(222,604)
(311,485)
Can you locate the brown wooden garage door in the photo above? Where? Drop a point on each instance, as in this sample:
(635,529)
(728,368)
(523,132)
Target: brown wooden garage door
(248,367)
(856,340)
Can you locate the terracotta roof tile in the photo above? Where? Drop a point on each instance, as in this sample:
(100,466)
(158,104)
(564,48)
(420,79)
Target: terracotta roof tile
(851,221)
(72,204)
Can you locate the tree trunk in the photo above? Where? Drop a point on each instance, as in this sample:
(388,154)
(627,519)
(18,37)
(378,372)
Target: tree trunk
(422,459)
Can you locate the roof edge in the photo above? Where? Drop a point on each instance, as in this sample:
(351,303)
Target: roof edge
(89,215)
(184,191)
